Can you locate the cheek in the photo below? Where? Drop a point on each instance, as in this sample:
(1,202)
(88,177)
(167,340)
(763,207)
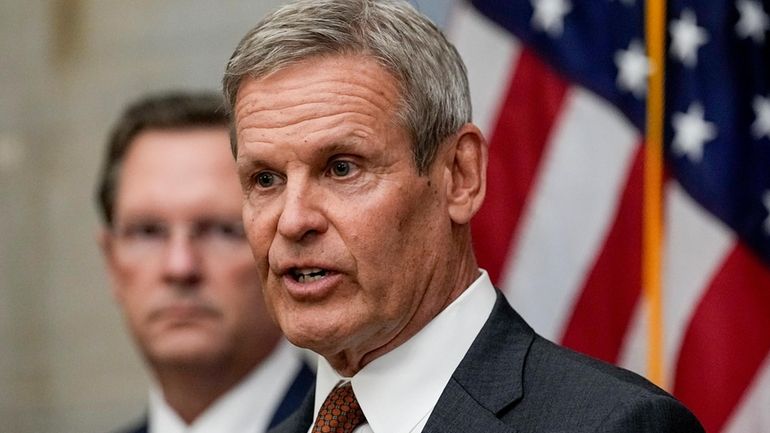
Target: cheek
(241,279)
(400,231)
(260,231)
(415,230)
(130,288)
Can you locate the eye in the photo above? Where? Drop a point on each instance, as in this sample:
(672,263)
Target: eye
(341,168)
(229,229)
(149,230)
(221,229)
(265,179)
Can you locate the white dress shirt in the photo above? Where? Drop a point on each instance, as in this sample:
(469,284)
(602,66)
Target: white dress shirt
(409,379)
(246,408)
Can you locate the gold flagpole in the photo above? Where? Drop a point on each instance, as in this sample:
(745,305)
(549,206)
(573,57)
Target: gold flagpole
(652,253)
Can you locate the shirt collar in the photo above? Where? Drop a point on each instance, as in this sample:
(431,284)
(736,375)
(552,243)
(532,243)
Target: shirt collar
(409,379)
(244,408)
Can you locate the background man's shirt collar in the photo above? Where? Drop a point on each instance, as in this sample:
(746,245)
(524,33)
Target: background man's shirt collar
(247,408)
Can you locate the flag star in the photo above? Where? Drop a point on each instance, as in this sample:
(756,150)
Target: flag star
(686,38)
(549,15)
(761,125)
(633,69)
(691,132)
(766,199)
(753,21)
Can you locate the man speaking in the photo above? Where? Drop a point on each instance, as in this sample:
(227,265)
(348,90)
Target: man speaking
(361,170)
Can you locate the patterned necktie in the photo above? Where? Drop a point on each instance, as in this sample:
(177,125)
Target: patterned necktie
(340,413)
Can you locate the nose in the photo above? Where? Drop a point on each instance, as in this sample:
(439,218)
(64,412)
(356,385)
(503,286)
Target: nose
(302,216)
(182,262)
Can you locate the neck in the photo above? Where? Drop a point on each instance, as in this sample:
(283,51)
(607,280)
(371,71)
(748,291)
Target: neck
(463,270)
(191,389)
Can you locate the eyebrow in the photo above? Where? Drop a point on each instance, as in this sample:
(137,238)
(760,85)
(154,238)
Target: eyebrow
(344,145)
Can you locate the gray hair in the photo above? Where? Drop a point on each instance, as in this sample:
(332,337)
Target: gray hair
(435,100)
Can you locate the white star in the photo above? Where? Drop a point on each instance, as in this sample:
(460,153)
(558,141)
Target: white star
(686,38)
(691,132)
(766,199)
(549,15)
(633,69)
(761,125)
(753,22)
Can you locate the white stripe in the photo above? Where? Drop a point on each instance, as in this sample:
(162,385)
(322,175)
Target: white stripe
(573,203)
(489,53)
(633,352)
(752,414)
(696,246)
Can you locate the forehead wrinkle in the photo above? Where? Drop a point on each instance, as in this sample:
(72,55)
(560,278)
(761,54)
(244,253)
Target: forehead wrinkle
(276,119)
(338,141)
(294,92)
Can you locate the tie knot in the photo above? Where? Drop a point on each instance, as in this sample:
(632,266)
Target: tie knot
(340,412)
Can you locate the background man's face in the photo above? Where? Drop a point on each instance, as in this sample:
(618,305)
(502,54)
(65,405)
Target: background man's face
(346,234)
(182,269)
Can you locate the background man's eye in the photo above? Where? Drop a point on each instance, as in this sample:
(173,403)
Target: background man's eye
(265,180)
(142,231)
(340,168)
(232,230)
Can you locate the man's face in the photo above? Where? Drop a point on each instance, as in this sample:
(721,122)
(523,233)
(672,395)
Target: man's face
(348,237)
(182,269)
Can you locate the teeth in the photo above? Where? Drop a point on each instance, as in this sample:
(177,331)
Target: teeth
(308,275)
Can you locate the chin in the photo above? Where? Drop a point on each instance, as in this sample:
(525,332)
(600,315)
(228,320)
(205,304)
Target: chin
(319,338)
(187,358)
(185,350)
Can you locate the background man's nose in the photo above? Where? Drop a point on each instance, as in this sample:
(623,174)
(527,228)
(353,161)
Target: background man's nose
(182,263)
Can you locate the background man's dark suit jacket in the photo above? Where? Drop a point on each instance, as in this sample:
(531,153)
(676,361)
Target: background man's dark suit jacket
(299,388)
(513,380)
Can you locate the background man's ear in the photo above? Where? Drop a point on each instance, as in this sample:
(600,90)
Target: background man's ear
(467,164)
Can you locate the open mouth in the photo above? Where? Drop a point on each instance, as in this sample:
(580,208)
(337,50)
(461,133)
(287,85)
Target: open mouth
(307,275)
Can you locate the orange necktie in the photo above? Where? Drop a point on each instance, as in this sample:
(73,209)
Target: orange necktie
(340,413)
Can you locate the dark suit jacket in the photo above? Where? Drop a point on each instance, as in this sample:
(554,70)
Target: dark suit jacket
(297,391)
(513,380)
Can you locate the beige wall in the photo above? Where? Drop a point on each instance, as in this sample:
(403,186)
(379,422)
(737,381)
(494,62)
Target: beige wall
(66,69)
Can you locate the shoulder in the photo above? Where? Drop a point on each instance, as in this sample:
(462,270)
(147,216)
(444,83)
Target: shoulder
(589,392)
(139,426)
(549,363)
(531,383)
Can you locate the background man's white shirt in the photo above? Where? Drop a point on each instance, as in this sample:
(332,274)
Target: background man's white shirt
(247,408)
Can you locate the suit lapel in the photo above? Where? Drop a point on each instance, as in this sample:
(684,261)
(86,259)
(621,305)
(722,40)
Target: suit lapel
(295,394)
(300,420)
(458,412)
(488,379)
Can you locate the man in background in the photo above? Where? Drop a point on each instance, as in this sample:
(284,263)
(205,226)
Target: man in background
(184,275)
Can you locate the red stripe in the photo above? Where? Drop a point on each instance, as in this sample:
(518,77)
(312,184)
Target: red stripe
(606,304)
(727,341)
(533,100)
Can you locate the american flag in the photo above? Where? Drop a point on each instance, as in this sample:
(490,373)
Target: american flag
(560,89)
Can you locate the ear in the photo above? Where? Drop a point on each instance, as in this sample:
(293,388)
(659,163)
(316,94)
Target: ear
(106,243)
(467,164)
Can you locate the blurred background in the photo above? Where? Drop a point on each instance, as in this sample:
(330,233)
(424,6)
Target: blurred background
(68,68)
